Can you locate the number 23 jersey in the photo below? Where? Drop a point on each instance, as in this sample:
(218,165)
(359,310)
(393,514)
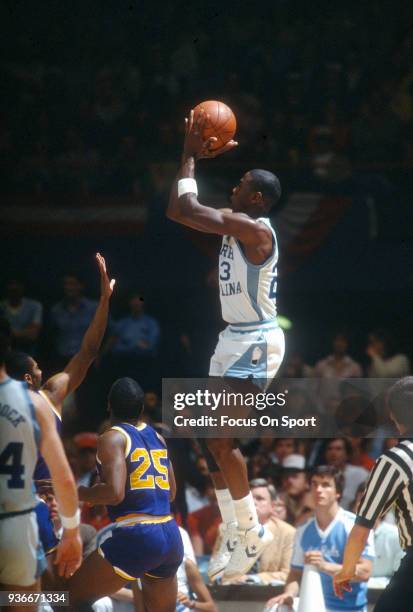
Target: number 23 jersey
(147,482)
(247,291)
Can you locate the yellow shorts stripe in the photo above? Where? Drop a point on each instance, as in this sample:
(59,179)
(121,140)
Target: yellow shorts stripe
(152,576)
(137,519)
(117,570)
(123,574)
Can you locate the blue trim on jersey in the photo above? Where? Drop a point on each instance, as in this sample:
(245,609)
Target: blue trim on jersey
(36,427)
(258,328)
(253,282)
(259,323)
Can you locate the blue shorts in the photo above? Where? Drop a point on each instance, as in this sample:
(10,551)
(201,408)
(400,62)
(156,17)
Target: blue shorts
(154,549)
(47,535)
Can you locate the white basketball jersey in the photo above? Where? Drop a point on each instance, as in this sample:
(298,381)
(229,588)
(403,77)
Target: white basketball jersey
(19,436)
(247,291)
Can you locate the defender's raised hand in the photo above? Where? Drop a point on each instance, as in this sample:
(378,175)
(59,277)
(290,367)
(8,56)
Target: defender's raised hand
(106,285)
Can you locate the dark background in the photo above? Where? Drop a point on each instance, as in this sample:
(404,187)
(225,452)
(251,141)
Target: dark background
(93,100)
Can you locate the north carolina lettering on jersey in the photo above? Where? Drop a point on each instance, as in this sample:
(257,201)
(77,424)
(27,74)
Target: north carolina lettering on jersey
(11,414)
(230,288)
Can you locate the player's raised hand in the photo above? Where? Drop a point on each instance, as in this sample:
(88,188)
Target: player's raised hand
(106,285)
(69,553)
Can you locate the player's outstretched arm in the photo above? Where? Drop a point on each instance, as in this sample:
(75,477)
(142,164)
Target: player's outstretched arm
(69,551)
(58,387)
(111,454)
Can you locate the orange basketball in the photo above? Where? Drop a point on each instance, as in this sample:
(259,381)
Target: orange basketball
(221,122)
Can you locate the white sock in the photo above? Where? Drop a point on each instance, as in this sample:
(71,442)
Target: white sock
(246,512)
(226,506)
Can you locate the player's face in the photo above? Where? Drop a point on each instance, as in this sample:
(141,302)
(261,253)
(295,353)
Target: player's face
(241,195)
(35,375)
(323,491)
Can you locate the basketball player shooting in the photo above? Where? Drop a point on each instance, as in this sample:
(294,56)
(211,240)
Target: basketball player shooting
(251,348)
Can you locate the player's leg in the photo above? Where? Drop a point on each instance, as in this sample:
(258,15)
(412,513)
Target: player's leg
(94,579)
(159,594)
(21,556)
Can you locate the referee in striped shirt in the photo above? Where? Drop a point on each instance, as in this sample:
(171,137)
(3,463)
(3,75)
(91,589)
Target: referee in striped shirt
(390,484)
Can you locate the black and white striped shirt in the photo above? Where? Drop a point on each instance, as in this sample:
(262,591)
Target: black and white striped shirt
(391,484)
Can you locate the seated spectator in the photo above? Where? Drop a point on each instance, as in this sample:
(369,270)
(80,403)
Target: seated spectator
(24,315)
(359,452)
(193,593)
(274,561)
(385,361)
(337,454)
(193,494)
(334,367)
(136,334)
(321,542)
(86,444)
(203,524)
(71,317)
(339,364)
(388,550)
(133,343)
(294,483)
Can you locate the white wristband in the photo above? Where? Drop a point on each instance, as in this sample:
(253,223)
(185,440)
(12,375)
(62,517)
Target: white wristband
(187,185)
(71,522)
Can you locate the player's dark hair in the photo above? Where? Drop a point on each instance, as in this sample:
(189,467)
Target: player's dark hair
(332,472)
(387,338)
(126,399)
(400,401)
(18,364)
(268,184)
(5,339)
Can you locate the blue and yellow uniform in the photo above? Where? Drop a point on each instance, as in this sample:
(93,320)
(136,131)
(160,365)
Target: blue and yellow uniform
(143,537)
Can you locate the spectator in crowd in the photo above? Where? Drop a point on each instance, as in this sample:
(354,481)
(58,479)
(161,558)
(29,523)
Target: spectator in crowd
(274,562)
(295,367)
(86,445)
(337,454)
(24,315)
(321,542)
(203,524)
(133,343)
(195,499)
(193,594)
(339,364)
(334,367)
(385,361)
(389,553)
(359,452)
(294,484)
(71,317)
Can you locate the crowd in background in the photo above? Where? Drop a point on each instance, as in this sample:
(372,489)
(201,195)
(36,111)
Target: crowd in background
(94,122)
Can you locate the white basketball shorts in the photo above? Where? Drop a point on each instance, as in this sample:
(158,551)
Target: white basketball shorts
(249,350)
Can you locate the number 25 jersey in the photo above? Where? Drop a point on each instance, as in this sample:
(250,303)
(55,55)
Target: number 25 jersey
(147,481)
